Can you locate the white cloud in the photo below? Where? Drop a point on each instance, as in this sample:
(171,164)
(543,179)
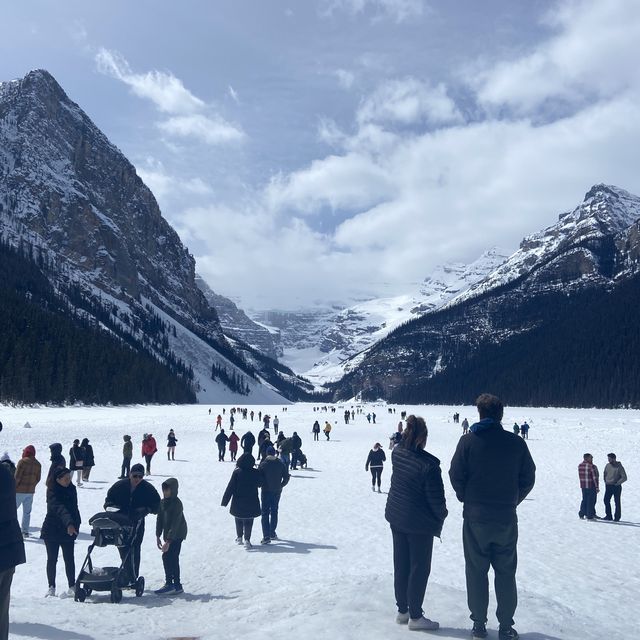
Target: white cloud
(409,101)
(345,78)
(593,54)
(397,10)
(212,130)
(166,91)
(234,94)
(165,185)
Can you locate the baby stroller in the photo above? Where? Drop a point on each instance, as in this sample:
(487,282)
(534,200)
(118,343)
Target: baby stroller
(110,529)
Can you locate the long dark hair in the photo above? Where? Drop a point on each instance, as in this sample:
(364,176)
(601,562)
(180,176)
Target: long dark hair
(415,433)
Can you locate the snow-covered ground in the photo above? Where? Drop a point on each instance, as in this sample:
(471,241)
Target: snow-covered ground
(331,574)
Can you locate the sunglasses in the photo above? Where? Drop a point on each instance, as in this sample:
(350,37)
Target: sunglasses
(137,475)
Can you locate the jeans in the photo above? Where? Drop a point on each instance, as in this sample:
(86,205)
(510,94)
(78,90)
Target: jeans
(327,433)
(411,569)
(52,561)
(612,491)
(6,577)
(270,502)
(26,500)
(221,452)
(294,458)
(286,459)
(126,464)
(376,475)
(316,436)
(244,527)
(171,562)
(588,504)
(491,544)
(147,459)
(86,472)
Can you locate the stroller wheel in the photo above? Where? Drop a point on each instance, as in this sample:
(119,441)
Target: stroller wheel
(139,586)
(116,595)
(87,591)
(80,594)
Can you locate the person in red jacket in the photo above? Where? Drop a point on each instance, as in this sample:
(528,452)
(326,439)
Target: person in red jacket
(149,448)
(233,444)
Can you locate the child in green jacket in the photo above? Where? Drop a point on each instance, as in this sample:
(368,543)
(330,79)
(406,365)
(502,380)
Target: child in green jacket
(172,526)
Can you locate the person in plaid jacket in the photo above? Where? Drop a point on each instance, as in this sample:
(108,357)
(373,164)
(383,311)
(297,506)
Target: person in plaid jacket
(589,483)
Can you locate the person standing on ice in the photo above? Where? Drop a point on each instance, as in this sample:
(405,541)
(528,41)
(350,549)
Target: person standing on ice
(274,478)
(127,454)
(88,460)
(233,445)
(491,472)
(590,487)
(416,509)
(316,431)
(375,460)
(465,427)
(11,545)
(149,448)
(276,424)
(27,476)
(218,423)
(221,441)
(172,441)
(247,442)
(614,477)
(76,460)
(242,491)
(524,430)
(57,462)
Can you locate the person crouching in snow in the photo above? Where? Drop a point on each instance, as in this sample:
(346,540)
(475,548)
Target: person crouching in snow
(172,526)
(242,491)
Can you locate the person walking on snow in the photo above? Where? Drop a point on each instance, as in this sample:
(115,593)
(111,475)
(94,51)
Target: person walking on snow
(242,491)
(590,487)
(614,477)
(375,461)
(87,459)
(127,454)
(327,430)
(27,476)
(171,527)
(221,441)
(491,472)
(524,430)
(218,423)
(274,478)
(149,448)
(247,442)
(316,431)
(172,441)
(233,445)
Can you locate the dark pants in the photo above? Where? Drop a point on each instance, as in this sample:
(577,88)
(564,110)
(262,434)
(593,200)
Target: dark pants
(6,577)
(86,472)
(491,544)
(411,568)
(171,562)
(134,556)
(270,502)
(244,527)
(327,433)
(126,464)
(234,453)
(221,452)
(613,491)
(376,475)
(52,561)
(316,435)
(294,458)
(147,459)
(588,504)
(248,449)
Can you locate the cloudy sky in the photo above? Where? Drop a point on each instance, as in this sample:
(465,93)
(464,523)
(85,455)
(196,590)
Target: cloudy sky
(318,150)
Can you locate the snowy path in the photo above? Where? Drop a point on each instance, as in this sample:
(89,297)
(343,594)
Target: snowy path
(331,575)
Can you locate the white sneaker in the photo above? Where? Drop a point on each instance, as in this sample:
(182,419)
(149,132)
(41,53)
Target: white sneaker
(423,624)
(239,540)
(247,544)
(69,593)
(402,618)
(51,592)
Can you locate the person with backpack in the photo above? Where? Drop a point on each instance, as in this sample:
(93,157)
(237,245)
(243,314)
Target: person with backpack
(242,491)
(149,448)
(27,476)
(76,460)
(172,441)
(88,461)
(375,461)
(127,454)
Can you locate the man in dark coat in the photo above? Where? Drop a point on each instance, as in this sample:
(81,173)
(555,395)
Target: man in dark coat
(274,477)
(247,442)
(491,472)
(296,442)
(221,439)
(11,545)
(135,498)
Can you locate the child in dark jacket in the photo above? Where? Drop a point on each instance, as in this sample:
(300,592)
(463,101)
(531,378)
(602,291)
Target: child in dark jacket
(242,491)
(172,526)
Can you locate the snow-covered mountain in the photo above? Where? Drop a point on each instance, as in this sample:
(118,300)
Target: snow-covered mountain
(69,198)
(575,269)
(319,343)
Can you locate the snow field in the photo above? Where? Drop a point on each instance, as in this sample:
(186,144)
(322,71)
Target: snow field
(331,575)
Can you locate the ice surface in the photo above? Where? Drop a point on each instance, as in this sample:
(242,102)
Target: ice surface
(331,575)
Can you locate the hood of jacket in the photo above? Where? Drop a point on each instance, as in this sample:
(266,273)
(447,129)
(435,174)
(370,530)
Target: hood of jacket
(29,451)
(246,461)
(172,483)
(56,450)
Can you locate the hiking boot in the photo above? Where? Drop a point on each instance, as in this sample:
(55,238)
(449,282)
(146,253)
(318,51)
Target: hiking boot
(239,540)
(69,593)
(273,536)
(177,588)
(265,541)
(479,630)
(402,618)
(373,488)
(423,624)
(167,588)
(51,592)
(507,633)
(379,490)
(247,544)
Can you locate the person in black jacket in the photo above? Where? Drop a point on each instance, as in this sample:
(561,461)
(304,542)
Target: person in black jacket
(57,462)
(60,529)
(172,441)
(375,461)
(247,442)
(221,441)
(491,472)
(416,510)
(316,431)
(88,461)
(296,442)
(242,490)
(11,545)
(275,476)
(135,498)
(76,460)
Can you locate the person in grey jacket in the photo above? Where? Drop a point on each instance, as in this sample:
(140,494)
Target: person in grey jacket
(416,509)
(614,477)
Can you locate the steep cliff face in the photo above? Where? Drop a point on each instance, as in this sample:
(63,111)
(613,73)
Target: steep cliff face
(594,248)
(77,204)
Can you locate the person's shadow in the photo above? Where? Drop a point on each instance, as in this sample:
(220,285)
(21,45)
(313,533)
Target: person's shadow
(45,631)
(450,632)
(620,523)
(291,546)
